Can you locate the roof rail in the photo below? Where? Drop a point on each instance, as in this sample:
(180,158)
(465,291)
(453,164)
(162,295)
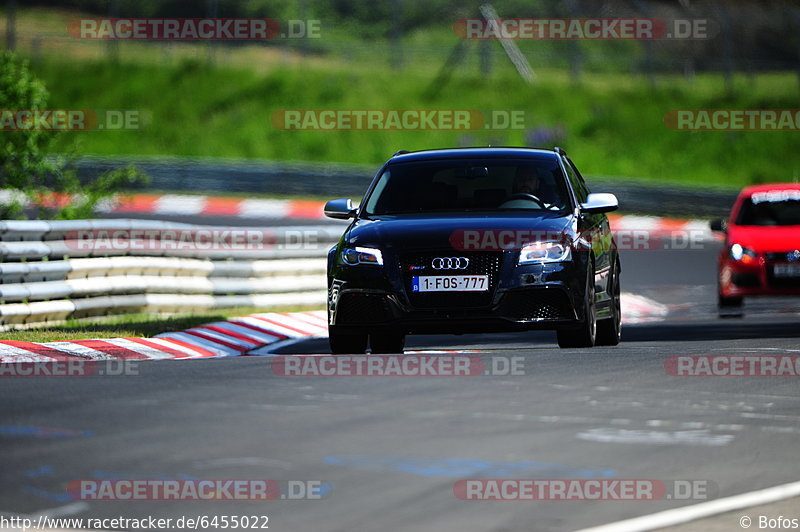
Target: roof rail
(560,151)
(400,152)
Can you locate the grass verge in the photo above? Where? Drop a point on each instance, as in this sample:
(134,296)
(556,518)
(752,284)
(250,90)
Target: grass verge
(611,122)
(132,325)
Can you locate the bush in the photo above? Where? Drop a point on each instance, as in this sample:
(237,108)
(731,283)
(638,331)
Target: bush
(29,175)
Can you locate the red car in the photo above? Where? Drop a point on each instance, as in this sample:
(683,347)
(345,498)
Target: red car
(762,244)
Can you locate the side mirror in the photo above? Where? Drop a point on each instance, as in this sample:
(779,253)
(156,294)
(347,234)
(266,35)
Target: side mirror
(719,225)
(599,203)
(341,209)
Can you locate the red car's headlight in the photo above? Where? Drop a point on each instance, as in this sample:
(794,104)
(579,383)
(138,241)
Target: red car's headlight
(742,254)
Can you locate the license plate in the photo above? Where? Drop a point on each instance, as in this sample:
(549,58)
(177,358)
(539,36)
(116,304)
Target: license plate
(786,270)
(450,283)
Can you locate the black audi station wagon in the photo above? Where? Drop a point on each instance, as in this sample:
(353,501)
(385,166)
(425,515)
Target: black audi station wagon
(474,240)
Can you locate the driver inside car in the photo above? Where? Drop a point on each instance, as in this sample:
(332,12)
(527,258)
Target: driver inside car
(527,181)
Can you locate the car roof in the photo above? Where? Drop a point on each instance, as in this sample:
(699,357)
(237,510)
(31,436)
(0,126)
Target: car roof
(468,153)
(752,189)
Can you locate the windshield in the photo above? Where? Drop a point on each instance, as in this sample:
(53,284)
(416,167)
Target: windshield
(774,208)
(469,185)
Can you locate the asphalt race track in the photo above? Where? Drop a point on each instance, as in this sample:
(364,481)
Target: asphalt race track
(388,450)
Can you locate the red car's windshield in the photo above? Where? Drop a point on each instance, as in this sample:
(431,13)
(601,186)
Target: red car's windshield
(774,208)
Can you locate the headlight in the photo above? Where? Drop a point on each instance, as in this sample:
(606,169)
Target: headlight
(354,256)
(539,252)
(743,254)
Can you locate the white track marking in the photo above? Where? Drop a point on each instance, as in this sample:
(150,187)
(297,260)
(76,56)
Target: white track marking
(694,512)
(702,438)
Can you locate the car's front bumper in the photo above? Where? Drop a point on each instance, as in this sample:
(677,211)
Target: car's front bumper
(541,308)
(737,279)
(523,297)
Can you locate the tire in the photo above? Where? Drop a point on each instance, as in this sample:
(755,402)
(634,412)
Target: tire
(386,343)
(347,344)
(585,333)
(729,302)
(609,330)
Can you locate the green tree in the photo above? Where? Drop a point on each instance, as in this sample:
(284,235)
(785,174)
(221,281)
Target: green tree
(29,174)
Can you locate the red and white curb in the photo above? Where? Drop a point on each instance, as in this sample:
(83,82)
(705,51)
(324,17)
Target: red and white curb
(234,337)
(190,205)
(213,340)
(690,231)
(239,335)
(640,309)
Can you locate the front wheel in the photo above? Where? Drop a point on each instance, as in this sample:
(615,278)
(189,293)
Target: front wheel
(583,334)
(729,302)
(730,307)
(347,343)
(609,331)
(387,343)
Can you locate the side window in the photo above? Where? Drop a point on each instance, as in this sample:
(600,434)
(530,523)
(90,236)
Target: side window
(580,177)
(377,193)
(581,192)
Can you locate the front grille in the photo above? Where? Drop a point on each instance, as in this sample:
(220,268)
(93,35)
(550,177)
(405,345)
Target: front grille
(780,256)
(480,263)
(537,305)
(356,308)
(781,282)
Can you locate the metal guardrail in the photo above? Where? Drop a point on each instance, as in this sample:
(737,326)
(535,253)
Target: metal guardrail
(668,200)
(239,175)
(47,275)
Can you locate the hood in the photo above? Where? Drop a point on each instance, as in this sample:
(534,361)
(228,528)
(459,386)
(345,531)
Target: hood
(445,231)
(765,239)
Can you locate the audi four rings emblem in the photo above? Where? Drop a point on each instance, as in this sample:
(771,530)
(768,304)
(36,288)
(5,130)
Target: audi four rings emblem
(450,263)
